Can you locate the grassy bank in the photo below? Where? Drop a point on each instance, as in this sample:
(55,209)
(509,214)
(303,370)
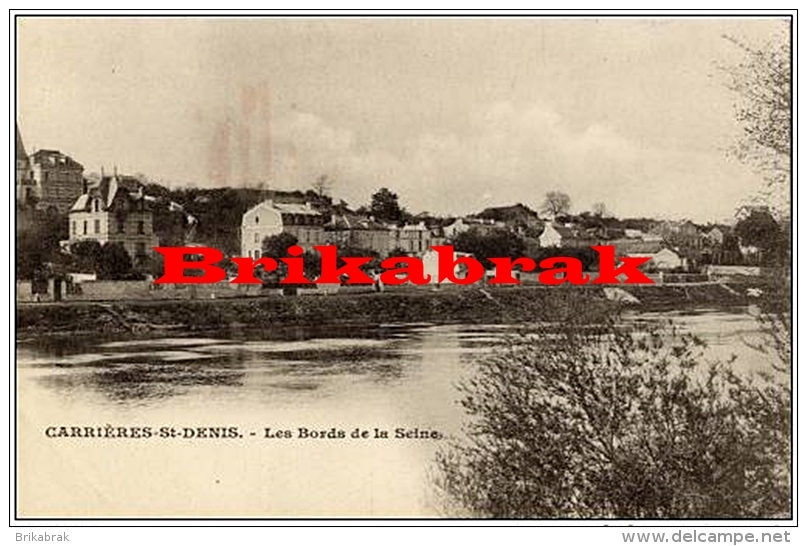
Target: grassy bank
(468,305)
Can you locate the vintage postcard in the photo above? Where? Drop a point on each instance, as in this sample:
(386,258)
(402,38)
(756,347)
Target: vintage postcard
(554,257)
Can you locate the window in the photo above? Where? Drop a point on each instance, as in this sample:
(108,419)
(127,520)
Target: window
(73,227)
(97,226)
(141,228)
(121,226)
(257,254)
(255,239)
(257,219)
(140,249)
(95,205)
(85,227)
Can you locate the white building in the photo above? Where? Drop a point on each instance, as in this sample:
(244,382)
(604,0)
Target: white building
(414,238)
(663,260)
(556,236)
(269,218)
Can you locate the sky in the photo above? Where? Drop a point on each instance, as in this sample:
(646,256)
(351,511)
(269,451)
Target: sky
(452,114)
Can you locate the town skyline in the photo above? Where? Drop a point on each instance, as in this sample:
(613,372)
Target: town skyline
(477,113)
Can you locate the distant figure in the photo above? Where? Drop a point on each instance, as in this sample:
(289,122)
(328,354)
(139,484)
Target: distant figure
(379,286)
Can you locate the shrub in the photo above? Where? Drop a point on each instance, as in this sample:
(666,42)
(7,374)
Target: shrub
(583,422)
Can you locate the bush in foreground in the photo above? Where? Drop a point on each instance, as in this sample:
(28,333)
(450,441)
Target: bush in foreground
(609,423)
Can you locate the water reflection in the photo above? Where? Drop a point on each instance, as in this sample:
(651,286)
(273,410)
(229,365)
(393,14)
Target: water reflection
(344,376)
(295,358)
(149,379)
(291,359)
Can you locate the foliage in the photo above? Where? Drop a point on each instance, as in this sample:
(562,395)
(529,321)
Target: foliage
(322,185)
(219,213)
(762,83)
(114,263)
(157,265)
(556,203)
(86,255)
(760,229)
(726,253)
(600,422)
(349,252)
(775,319)
(38,245)
(499,243)
(110,261)
(385,208)
(172,227)
(277,246)
(587,255)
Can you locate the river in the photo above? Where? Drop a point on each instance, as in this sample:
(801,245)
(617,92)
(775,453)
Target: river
(351,381)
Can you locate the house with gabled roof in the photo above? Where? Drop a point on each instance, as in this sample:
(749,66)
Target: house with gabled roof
(553,235)
(352,230)
(558,235)
(115,210)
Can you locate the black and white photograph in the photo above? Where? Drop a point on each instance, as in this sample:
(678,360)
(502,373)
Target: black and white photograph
(360,267)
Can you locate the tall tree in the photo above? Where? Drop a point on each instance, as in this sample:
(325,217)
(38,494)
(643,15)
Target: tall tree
(760,229)
(384,206)
(556,203)
(762,83)
(322,185)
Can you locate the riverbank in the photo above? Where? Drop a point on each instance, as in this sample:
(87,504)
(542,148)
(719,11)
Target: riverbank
(490,305)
